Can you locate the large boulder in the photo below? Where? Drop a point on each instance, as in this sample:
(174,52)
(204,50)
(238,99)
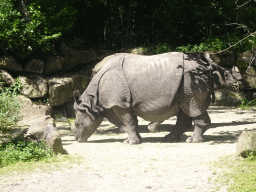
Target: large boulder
(228,98)
(249,75)
(11,64)
(34,86)
(226,58)
(31,111)
(246,143)
(72,57)
(53,64)
(66,110)
(6,78)
(61,88)
(35,66)
(44,128)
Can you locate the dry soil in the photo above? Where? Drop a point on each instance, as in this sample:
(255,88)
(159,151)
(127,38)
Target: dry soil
(111,166)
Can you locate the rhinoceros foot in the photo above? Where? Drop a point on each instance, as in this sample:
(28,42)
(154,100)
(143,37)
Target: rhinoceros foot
(132,141)
(171,138)
(194,140)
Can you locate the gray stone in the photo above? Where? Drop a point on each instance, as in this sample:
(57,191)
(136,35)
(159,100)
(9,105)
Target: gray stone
(73,57)
(44,128)
(70,110)
(11,64)
(246,142)
(6,78)
(35,66)
(66,110)
(228,98)
(34,86)
(53,64)
(31,111)
(61,88)
(249,75)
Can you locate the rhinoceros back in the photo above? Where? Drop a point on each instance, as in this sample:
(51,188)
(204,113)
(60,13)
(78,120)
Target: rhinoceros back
(154,82)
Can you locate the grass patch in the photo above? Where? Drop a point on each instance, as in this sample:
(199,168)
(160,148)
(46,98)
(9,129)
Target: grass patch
(245,104)
(238,174)
(18,153)
(20,150)
(57,162)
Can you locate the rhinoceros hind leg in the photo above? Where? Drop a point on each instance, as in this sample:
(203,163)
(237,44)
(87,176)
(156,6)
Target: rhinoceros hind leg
(183,123)
(201,124)
(153,126)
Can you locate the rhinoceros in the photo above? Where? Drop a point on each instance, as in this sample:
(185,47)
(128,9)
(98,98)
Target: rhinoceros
(153,126)
(154,88)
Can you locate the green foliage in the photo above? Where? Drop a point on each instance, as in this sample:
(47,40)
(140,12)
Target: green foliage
(29,27)
(158,49)
(213,44)
(20,150)
(250,154)
(163,48)
(245,104)
(9,108)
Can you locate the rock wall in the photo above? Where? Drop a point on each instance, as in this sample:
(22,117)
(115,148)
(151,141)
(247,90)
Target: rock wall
(246,90)
(52,79)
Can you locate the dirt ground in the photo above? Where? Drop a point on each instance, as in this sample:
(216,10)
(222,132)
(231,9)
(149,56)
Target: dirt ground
(110,165)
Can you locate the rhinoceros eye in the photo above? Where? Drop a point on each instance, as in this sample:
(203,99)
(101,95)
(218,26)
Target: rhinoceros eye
(79,102)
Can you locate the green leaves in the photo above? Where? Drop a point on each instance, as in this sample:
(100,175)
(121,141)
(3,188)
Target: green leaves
(20,150)
(35,26)
(9,108)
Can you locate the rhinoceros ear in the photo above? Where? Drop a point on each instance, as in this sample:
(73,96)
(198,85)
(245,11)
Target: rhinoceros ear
(76,95)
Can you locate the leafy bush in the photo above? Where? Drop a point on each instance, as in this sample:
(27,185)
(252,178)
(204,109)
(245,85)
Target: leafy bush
(213,44)
(9,108)
(31,26)
(20,150)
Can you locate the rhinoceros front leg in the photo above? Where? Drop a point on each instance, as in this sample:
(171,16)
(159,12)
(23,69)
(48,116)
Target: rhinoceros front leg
(183,123)
(201,124)
(130,123)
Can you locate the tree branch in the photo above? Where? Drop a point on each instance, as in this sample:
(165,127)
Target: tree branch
(243,4)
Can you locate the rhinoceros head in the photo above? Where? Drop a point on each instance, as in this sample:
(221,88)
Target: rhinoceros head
(86,121)
(224,79)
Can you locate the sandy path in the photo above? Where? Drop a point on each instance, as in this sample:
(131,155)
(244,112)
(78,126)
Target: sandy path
(110,165)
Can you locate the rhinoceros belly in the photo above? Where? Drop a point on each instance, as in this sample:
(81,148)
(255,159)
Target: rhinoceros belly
(156,109)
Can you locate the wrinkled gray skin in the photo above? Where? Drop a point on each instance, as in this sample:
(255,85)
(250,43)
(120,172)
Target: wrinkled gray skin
(153,126)
(154,88)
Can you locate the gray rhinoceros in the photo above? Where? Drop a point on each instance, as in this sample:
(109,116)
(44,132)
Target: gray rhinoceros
(154,88)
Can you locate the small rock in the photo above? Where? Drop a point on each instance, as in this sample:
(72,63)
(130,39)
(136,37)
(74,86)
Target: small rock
(246,142)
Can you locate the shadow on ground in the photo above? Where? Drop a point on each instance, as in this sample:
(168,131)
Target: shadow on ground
(216,138)
(222,137)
